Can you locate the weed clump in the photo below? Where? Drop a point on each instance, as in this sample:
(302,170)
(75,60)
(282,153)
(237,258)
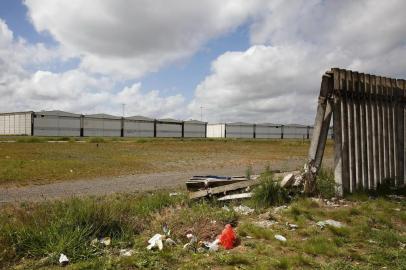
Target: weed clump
(269,192)
(97,140)
(325,184)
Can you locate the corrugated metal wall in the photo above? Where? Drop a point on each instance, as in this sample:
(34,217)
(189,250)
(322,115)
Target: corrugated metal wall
(239,130)
(194,129)
(294,132)
(56,123)
(216,131)
(101,125)
(136,128)
(168,128)
(268,131)
(15,123)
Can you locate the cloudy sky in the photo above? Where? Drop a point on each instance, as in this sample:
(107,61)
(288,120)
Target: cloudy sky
(256,61)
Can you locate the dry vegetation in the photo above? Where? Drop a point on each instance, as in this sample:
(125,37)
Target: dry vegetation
(32,160)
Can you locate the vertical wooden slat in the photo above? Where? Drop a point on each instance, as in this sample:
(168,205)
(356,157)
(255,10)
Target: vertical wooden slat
(391,133)
(380,129)
(401,133)
(364,133)
(338,160)
(394,129)
(344,131)
(357,130)
(385,130)
(351,134)
(369,132)
(375,146)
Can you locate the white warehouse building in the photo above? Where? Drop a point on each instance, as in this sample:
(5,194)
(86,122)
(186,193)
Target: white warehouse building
(194,129)
(104,125)
(56,123)
(18,123)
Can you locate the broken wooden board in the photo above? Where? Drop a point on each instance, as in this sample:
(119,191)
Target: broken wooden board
(236,196)
(203,182)
(223,189)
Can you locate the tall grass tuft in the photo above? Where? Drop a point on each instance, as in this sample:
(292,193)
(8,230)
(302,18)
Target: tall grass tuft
(269,192)
(325,184)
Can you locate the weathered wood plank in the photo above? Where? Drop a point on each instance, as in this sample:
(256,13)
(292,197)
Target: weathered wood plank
(385,131)
(357,132)
(400,123)
(337,120)
(375,146)
(380,130)
(369,141)
(364,135)
(391,131)
(223,189)
(350,131)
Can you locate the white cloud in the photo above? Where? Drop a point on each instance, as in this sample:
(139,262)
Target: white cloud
(128,38)
(73,90)
(279,81)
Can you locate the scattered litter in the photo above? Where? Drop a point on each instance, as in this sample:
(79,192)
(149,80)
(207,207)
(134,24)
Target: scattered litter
(249,237)
(292,226)
(192,242)
(279,208)
(288,180)
(174,194)
(166,229)
(236,196)
(126,252)
(243,210)
(156,241)
(212,246)
(402,245)
(397,197)
(280,237)
(63,259)
(397,209)
(265,223)
(170,242)
(298,180)
(106,241)
(227,237)
(330,222)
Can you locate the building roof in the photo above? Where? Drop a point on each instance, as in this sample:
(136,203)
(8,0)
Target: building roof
(57,113)
(169,120)
(269,125)
(239,124)
(102,116)
(191,121)
(139,118)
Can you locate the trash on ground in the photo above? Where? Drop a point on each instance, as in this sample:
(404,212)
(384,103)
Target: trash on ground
(243,210)
(265,223)
(192,242)
(292,226)
(156,242)
(63,259)
(212,246)
(174,194)
(236,196)
(106,241)
(227,238)
(330,222)
(280,237)
(170,242)
(166,229)
(126,252)
(226,208)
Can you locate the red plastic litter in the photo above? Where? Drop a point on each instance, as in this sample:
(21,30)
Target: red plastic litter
(227,237)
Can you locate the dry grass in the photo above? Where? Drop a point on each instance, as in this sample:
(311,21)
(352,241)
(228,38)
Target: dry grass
(36,161)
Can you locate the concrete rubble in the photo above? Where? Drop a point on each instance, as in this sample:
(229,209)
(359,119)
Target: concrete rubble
(330,222)
(243,210)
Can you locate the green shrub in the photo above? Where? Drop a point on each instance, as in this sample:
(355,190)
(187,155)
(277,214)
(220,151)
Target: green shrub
(97,140)
(269,192)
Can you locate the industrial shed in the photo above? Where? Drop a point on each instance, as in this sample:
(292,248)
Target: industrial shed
(239,130)
(56,123)
(268,131)
(169,128)
(216,131)
(295,131)
(102,125)
(139,126)
(194,129)
(17,123)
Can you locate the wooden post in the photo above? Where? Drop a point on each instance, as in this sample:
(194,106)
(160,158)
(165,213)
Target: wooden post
(350,131)
(338,159)
(380,103)
(357,130)
(344,131)
(375,146)
(400,124)
(364,135)
(391,132)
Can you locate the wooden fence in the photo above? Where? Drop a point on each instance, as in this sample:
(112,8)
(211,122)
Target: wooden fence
(368,122)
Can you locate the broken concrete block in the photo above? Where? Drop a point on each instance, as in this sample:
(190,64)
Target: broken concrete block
(63,260)
(280,238)
(330,222)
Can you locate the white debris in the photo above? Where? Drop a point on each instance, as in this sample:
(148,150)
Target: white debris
(174,194)
(288,180)
(298,180)
(279,208)
(156,241)
(170,242)
(226,208)
(330,222)
(236,196)
(265,223)
(292,226)
(402,245)
(280,237)
(126,252)
(105,241)
(212,246)
(63,259)
(243,210)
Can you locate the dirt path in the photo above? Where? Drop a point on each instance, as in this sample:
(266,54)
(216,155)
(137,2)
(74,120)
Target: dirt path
(106,185)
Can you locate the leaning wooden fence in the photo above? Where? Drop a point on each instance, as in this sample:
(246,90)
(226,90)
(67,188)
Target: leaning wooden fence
(368,122)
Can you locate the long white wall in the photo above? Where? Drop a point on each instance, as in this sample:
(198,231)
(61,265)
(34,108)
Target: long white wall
(15,124)
(138,129)
(54,125)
